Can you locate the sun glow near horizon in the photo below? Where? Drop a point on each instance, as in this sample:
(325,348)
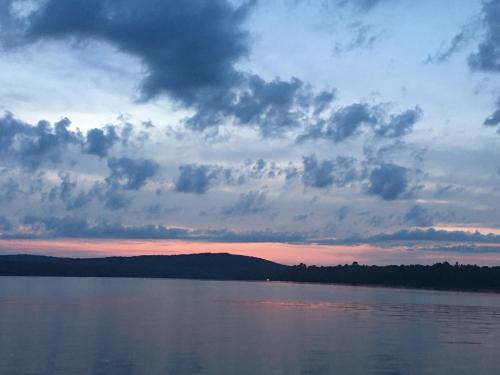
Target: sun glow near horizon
(278,252)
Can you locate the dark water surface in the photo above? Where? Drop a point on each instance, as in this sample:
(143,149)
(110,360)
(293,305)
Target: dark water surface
(142,326)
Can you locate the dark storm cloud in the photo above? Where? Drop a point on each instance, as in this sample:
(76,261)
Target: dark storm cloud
(349,121)
(250,203)
(30,145)
(388,181)
(99,141)
(198,178)
(325,173)
(131,174)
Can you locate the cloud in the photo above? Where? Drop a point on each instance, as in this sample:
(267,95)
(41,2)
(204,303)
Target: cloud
(349,121)
(274,107)
(112,196)
(325,173)
(187,47)
(81,227)
(303,217)
(487,56)
(125,175)
(388,181)
(65,191)
(75,227)
(434,235)
(493,119)
(190,51)
(9,190)
(30,145)
(5,224)
(131,174)
(418,216)
(455,45)
(362,37)
(399,125)
(197,179)
(99,141)
(250,203)
(360,5)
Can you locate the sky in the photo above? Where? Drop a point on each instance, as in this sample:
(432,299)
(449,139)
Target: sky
(294,130)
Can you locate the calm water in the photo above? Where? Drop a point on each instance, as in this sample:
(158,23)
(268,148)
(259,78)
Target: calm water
(134,326)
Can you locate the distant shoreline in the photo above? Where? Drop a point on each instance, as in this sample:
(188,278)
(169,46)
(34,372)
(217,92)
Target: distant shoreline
(228,267)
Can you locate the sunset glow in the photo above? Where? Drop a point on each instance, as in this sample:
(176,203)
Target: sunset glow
(278,252)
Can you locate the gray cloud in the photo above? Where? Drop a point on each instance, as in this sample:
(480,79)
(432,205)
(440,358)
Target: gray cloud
(454,46)
(433,235)
(418,216)
(347,122)
(30,145)
(112,196)
(362,5)
(75,227)
(325,173)
(364,37)
(388,181)
(274,107)
(197,179)
(131,174)
(9,190)
(494,119)
(399,125)
(188,47)
(65,191)
(99,141)
(250,203)
(125,175)
(190,50)
(5,224)
(487,56)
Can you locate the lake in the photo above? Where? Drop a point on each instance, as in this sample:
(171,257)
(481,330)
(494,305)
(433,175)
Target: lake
(160,326)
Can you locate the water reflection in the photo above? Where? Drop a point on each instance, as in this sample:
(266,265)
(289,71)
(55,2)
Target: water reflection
(133,326)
